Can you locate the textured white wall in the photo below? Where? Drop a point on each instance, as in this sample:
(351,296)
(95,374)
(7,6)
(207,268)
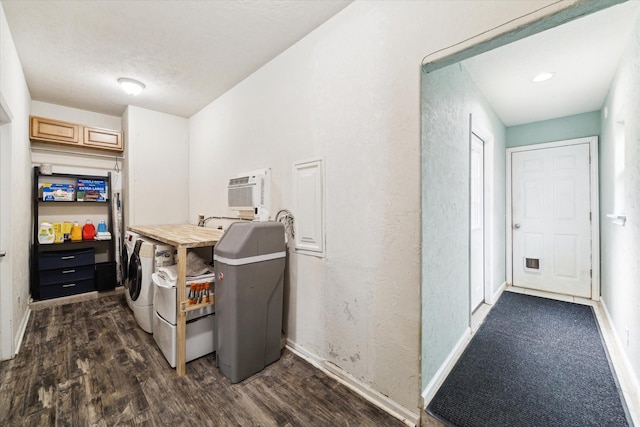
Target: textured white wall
(14,91)
(75,115)
(620,246)
(156,186)
(348,92)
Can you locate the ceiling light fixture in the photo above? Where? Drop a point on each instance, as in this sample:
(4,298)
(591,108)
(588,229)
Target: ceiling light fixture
(131,86)
(542,77)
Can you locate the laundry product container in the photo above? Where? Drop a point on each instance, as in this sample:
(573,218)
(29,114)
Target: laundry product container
(249,263)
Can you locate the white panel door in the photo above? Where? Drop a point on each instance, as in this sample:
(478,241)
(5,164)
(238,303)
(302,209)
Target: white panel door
(476,267)
(550,196)
(308,193)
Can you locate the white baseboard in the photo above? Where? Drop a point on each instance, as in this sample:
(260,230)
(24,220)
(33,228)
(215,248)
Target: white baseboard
(21,330)
(442,372)
(383,402)
(499,292)
(630,373)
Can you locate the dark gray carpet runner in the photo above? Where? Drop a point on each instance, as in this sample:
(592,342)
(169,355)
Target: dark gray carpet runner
(533,362)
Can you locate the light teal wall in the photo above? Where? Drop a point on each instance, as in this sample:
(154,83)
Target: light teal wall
(620,193)
(448,98)
(577,126)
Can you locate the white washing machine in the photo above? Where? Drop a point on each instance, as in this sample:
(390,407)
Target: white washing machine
(147,256)
(130,239)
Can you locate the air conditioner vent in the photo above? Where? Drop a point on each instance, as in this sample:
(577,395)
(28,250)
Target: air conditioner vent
(250,191)
(239,181)
(241,197)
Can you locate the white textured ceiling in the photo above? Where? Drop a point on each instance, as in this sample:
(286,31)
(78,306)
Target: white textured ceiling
(187,53)
(583,54)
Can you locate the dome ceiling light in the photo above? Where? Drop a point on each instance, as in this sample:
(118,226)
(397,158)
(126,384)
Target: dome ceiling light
(542,77)
(131,86)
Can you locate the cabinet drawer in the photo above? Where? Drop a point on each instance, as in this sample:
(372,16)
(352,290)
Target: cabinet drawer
(67,288)
(65,259)
(66,275)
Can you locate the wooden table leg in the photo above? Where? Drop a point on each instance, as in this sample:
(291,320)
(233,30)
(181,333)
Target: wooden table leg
(181,343)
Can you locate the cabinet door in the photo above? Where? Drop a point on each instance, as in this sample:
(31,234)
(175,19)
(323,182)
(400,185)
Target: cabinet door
(49,130)
(102,138)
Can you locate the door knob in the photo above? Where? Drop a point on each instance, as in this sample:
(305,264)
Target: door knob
(516,225)
(2,253)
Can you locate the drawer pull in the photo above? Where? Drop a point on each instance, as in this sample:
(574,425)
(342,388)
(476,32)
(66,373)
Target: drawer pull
(68,257)
(68,271)
(70,285)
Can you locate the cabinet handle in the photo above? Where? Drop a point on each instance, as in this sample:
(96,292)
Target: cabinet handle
(68,271)
(69,285)
(68,257)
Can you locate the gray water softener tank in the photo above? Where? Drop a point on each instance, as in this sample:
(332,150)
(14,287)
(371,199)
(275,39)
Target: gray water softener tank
(249,264)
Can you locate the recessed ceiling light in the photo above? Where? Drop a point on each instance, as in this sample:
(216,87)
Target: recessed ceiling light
(542,77)
(131,86)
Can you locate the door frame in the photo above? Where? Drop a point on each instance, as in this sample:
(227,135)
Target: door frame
(7,344)
(482,224)
(488,187)
(594,205)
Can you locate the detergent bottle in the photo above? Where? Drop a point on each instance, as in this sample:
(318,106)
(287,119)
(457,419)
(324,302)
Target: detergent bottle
(76,232)
(59,233)
(46,234)
(88,231)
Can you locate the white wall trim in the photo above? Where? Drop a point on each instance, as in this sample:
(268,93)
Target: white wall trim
(619,351)
(595,220)
(488,192)
(383,402)
(314,243)
(595,206)
(7,298)
(22,328)
(499,292)
(430,390)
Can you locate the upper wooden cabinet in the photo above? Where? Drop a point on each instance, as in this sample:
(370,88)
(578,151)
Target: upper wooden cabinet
(59,132)
(55,131)
(102,138)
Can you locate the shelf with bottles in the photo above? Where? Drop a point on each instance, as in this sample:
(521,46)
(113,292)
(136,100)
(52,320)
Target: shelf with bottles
(65,232)
(63,206)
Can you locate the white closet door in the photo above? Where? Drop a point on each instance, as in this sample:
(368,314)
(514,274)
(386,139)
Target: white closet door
(551,219)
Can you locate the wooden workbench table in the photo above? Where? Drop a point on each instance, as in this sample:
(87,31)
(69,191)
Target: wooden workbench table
(183,237)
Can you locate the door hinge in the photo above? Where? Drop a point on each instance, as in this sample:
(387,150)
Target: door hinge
(590,217)
(591,273)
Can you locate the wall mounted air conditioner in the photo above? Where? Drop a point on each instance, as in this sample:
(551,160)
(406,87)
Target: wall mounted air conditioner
(251,192)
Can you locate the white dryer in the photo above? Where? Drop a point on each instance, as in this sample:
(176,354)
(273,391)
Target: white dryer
(130,239)
(146,257)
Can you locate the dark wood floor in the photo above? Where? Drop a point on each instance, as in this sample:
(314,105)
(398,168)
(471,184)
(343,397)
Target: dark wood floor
(88,364)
